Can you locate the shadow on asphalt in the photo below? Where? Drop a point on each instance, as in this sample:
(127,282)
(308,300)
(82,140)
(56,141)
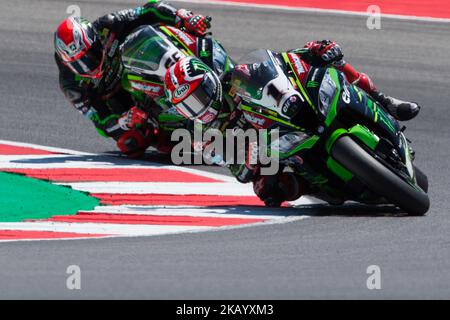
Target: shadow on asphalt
(350,210)
(111,157)
(114,158)
(321,210)
(311,210)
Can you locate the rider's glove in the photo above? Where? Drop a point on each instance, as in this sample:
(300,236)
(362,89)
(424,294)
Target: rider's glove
(195,24)
(134,118)
(328,51)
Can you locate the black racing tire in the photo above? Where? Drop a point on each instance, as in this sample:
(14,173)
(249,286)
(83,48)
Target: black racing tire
(379,178)
(422,179)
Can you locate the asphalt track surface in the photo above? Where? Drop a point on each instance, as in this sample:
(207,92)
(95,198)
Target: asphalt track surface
(325,256)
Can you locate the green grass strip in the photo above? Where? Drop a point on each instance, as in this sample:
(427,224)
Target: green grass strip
(24,198)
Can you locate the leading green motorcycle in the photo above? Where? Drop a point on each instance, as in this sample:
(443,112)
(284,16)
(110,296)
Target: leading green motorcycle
(335,137)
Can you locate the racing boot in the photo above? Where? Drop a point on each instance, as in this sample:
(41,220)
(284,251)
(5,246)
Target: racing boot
(399,109)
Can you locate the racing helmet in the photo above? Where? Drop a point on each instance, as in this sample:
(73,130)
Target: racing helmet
(79,47)
(194,89)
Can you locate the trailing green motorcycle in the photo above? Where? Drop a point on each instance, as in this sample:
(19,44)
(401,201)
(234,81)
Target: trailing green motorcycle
(340,142)
(148,52)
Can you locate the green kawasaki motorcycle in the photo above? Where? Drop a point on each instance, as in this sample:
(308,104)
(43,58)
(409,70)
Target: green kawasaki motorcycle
(148,52)
(340,142)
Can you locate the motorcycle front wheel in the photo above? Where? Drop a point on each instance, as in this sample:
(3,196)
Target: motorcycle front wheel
(378,178)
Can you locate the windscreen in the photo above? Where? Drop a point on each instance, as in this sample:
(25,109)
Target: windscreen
(254,74)
(145,50)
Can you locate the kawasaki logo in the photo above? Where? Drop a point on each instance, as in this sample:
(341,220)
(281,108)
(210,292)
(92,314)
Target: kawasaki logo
(181,91)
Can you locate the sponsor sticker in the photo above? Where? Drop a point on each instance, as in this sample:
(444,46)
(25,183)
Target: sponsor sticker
(182,91)
(259,121)
(152,90)
(183,37)
(289,103)
(297,63)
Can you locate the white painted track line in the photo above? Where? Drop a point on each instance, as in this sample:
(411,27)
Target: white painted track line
(230,189)
(190,211)
(99,228)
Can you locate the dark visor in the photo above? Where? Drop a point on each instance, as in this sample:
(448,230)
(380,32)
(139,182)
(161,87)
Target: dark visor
(199,100)
(90,63)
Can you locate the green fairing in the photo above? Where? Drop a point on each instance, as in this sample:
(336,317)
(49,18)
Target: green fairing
(362,134)
(281,121)
(332,139)
(359,93)
(370,106)
(126,83)
(365,136)
(307,144)
(379,114)
(227,65)
(335,167)
(164,117)
(358,131)
(383,117)
(339,170)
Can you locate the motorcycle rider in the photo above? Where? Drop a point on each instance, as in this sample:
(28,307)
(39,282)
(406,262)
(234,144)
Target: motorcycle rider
(203,103)
(90,69)
(147,47)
